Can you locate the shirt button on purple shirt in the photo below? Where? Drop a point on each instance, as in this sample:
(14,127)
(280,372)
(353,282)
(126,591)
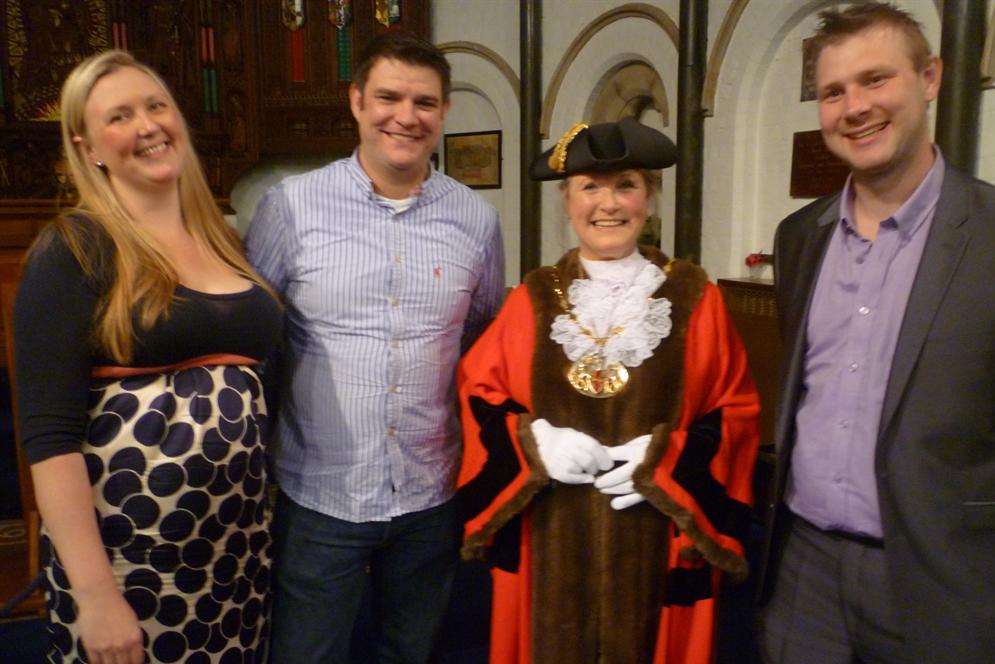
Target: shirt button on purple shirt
(832,481)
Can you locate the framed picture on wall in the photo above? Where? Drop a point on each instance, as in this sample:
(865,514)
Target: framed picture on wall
(474,158)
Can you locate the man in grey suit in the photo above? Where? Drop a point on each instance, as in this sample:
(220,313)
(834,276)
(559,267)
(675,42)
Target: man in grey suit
(881,533)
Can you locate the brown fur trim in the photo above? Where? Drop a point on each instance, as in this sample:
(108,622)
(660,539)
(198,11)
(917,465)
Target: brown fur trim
(475,546)
(734,565)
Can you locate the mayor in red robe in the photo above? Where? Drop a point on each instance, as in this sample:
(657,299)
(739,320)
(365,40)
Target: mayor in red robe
(616,353)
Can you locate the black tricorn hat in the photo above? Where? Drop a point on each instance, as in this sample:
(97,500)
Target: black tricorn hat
(609,146)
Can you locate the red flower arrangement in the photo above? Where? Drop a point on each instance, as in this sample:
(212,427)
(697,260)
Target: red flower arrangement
(759,258)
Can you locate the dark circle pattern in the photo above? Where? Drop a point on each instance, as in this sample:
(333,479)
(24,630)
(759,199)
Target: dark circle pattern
(166,479)
(230,404)
(177,526)
(137,552)
(129,458)
(201,409)
(230,508)
(144,578)
(120,485)
(198,552)
(172,610)
(195,502)
(143,602)
(197,633)
(169,646)
(235,378)
(94,467)
(215,447)
(200,470)
(133,383)
(116,530)
(124,404)
(102,429)
(193,381)
(179,439)
(165,403)
(150,428)
(189,580)
(142,510)
(177,466)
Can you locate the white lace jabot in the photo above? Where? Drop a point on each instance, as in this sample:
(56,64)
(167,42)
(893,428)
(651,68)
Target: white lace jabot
(615,297)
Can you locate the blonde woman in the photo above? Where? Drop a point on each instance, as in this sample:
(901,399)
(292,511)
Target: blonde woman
(137,324)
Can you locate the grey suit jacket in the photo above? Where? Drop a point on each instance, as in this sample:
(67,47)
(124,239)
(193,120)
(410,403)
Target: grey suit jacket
(935,455)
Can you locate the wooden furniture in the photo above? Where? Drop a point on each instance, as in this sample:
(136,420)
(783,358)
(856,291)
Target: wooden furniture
(754,311)
(20,572)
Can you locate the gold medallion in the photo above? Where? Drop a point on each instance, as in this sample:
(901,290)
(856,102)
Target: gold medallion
(593,378)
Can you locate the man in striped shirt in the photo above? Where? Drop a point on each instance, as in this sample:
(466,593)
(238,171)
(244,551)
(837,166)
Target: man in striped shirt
(388,270)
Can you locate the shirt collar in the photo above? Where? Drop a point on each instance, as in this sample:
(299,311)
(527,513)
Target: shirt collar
(914,211)
(431,188)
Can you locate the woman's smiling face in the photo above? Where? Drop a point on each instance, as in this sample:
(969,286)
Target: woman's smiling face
(607,211)
(133,128)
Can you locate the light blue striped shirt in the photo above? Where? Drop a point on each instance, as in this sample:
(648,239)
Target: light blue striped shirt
(379,304)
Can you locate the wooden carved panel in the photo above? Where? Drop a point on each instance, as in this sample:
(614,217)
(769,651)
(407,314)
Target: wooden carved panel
(754,311)
(310,115)
(44,40)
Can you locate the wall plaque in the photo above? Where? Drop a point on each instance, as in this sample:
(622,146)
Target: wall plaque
(815,171)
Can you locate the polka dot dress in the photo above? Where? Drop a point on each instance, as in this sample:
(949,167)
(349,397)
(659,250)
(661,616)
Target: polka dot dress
(178,475)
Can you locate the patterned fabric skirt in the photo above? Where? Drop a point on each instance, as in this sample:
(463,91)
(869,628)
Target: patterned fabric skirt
(176,461)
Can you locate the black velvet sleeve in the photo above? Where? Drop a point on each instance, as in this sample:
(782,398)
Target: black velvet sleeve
(53,319)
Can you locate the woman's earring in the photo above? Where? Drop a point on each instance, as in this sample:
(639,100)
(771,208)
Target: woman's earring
(99,164)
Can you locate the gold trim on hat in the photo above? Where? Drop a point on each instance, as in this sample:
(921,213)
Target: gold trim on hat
(558,160)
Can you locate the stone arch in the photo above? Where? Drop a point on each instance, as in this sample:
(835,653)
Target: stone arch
(718,54)
(629,10)
(627,89)
(479,50)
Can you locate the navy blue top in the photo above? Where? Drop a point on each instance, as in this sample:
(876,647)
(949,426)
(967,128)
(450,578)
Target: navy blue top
(55,349)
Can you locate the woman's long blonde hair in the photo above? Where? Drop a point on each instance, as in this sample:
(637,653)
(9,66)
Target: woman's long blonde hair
(143,280)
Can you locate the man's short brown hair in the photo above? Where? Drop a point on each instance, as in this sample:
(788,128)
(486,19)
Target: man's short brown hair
(837,25)
(403,48)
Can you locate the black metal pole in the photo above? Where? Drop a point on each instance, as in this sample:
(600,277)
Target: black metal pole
(691,58)
(958,108)
(530,42)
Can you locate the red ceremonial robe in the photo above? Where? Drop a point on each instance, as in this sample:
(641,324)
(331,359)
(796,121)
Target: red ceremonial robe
(697,472)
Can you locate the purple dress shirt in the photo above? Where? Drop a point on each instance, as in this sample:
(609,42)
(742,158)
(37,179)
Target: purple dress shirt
(853,325)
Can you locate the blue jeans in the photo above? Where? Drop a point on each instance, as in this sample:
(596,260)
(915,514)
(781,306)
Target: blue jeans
(323,566)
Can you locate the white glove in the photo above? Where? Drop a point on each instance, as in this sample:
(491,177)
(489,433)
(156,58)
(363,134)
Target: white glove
(618,482)
(570,456)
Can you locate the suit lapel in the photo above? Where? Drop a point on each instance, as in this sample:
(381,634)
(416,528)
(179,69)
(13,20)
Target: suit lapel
(940,257)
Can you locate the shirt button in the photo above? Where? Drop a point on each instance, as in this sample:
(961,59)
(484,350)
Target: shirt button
(394,388)
(398,259)
(391,431)
(863,311)
(393,301)
(853,367)
(394,343)
(837,480)
(844,424)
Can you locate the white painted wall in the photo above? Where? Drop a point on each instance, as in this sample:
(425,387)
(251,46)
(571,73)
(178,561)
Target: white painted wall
(484,100)
(757,110)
